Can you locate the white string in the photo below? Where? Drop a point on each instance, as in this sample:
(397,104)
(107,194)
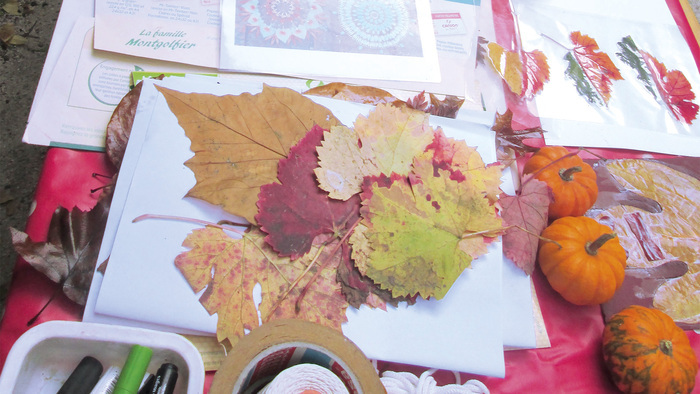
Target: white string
(408,383)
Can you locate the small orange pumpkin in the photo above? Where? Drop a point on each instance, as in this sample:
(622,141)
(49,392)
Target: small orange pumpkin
(585,263)
(573,181)
(646,352)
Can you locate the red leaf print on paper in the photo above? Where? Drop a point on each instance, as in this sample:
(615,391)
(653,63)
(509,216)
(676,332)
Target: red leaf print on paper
(674,88)
(535,72)
(597,66)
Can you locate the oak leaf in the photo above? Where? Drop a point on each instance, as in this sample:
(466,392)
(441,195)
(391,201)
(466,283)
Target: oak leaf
(527,210)
(295,211)
(229,269)
(238,140)
(592,70)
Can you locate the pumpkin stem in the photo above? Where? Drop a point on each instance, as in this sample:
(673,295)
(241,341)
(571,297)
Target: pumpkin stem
(567,174)
(592,247)
(666,347)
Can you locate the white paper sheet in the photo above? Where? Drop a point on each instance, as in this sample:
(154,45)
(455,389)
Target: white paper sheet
(456,30)
(84,88)
(633,118)
(177,31)
(142,284)
(367,39)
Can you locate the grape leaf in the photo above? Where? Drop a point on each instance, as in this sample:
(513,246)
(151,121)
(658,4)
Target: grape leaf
(69,255)
(238,140)
(592,70)
(527,209)
(384,142)
(465,164)
(415,229)
(342,165)
(230,268)
(673,87)
(295,211)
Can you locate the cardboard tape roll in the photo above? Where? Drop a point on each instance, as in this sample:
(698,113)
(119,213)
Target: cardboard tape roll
(275,346)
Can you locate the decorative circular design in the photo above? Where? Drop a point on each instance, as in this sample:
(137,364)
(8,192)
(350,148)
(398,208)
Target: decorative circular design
(283,20)
(374,23)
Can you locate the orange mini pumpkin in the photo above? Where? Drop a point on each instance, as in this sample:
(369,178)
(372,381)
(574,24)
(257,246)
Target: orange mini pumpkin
(646,352)
(585,263)
(573,181)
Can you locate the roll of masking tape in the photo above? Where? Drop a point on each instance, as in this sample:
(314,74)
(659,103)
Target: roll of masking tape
(278,345)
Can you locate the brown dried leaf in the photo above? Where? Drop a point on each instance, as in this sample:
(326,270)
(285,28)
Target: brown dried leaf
(69,255)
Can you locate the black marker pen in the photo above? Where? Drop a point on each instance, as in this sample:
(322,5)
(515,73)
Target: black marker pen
(83,378)
(166,377)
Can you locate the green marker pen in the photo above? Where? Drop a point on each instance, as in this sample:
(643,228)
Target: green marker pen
(133,371)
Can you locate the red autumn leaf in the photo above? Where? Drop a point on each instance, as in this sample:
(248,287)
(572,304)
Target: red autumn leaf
(506,137)
(296,210)
(527,209)
(69,255)
(674,88)
(597,66)
(535,72)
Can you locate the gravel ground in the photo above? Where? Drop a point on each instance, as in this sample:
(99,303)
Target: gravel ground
(20,164)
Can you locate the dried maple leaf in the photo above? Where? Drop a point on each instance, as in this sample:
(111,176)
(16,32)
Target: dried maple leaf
(527,210)
(230,268)
(507,138)
(238,140)
(672,86)
(592,70)
(295,211)
(69,255)
(384,142)
(446,108)
(415,229)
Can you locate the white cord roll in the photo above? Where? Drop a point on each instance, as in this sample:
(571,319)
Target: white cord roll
(302,377)
(408,383)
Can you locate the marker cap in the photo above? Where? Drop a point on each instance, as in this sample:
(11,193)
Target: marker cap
(83,378)
(134,370)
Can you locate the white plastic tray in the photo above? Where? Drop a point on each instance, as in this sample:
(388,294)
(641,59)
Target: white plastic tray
(44,356)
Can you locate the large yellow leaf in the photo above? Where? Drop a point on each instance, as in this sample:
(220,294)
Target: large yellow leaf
(238,140)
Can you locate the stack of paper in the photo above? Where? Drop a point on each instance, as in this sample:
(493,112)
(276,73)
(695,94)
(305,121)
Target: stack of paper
(465,331)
